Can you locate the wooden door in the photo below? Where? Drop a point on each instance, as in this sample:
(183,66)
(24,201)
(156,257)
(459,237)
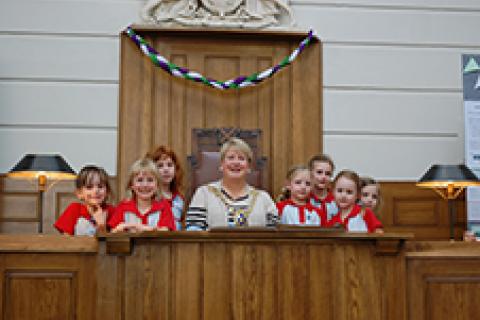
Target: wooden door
(156,108)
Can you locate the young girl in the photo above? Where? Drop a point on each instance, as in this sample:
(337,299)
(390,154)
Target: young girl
(354,218)
(321,168)
(294,206)
(171,175)
(370,194)
(93,213)
(141,211)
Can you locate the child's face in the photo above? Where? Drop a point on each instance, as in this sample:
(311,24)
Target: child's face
(94,193)
(369,196)
(321,175)
(166,168)
(235,165)
(345,193)
(300,186)
(144,185)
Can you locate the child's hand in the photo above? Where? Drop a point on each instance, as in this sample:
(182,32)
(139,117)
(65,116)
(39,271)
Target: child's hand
(145,228)
(162,229)
(379,230)
(100,216)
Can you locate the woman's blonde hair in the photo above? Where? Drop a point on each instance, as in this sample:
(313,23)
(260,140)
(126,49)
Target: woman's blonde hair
(142,165)
(238,144)
(286,194)
(368,181)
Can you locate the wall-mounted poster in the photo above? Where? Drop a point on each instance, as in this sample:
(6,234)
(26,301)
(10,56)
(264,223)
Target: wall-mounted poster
(471,98)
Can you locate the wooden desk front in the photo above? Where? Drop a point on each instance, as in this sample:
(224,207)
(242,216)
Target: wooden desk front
(248,275)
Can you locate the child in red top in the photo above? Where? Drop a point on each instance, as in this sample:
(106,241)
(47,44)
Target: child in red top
(354,218)
(370,194)
(321,168)
(141,211)
(294,207)
(171,175)
(93,189)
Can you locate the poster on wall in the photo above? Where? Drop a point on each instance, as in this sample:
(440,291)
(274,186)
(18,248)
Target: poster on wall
(471,100)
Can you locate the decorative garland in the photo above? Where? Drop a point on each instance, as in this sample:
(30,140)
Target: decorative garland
(239,82)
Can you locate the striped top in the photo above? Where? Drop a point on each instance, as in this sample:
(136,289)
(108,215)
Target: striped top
(212,206)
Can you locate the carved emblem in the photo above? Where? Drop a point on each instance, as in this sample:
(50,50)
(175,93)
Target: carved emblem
(219,13)
(221,7)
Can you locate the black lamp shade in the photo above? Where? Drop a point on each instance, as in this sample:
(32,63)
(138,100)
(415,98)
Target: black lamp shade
(439,176)
(51,165)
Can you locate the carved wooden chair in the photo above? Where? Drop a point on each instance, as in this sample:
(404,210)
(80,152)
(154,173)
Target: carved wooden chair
(204,162)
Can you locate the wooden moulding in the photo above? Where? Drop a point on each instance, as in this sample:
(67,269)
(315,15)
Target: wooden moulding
(47,243)
(385,244)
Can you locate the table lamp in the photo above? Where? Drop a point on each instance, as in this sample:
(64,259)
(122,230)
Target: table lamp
(42,167)
(448,181)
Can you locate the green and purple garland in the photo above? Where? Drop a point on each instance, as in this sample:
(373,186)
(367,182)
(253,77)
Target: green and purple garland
(239,82)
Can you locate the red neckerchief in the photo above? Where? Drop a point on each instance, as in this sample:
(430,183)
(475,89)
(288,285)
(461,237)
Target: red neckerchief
(131,206)
(323,202)
(301,208)
(353,212)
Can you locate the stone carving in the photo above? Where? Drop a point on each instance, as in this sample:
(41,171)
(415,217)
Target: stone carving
(219,13)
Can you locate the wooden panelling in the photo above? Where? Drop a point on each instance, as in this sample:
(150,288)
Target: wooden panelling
(156,108)
(47,277)
(415,212)
(270,275)
(452,297)
(19,204)
(443,281)
(405,208)
(260,276)
(421,211)
(54,292)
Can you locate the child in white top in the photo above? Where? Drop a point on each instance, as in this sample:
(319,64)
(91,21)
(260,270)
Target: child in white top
(294,207)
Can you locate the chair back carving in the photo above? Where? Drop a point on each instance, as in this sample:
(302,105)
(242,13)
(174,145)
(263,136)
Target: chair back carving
(204,162)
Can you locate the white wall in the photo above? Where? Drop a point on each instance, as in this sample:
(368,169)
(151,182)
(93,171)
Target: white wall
(392,79)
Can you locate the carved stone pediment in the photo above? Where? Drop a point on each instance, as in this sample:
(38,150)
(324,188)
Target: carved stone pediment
(219,13)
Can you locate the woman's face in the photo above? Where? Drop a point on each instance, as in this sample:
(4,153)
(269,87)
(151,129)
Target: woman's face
(235,164)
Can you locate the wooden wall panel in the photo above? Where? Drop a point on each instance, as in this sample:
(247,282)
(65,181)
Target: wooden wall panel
(20,204)
(293,282)
(47,286)
(421,211)
(176,106)
(55,294)
(443,281)
(254,282)
(188,279)
(405,207)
